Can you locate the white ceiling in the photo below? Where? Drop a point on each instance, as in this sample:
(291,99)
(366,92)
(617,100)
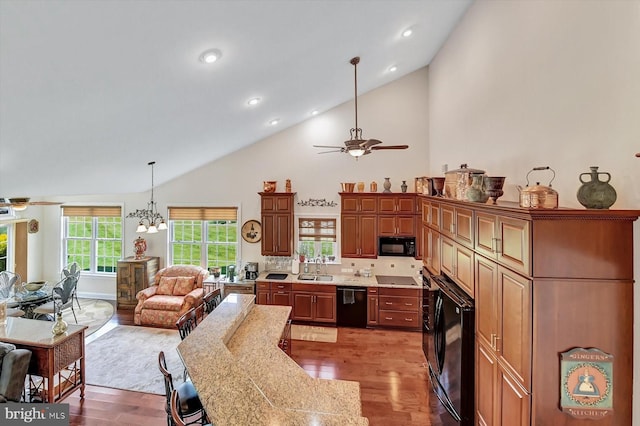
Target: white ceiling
(91,91)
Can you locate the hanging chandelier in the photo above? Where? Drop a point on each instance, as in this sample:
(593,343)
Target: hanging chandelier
(154,220)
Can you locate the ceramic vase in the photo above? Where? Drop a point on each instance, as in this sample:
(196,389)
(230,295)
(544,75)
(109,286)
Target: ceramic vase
(403,187)
(373,187)
(360,186)
(386,185)
(595,193)
(60,326)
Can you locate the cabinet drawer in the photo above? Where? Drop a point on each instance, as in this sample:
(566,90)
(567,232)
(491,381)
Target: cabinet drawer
(262,285)
(388,291)
(399,303)
(398,318)
(281,286)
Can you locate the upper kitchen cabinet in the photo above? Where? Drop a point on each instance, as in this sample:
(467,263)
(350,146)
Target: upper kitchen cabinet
(394,204)
(277,223)
(457,224)
(358,203)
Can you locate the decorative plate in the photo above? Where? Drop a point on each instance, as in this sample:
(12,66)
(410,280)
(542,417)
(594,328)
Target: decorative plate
(251,231)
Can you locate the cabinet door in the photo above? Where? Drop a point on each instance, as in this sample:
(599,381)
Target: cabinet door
(405,225)
(463,268)
(372,309)
(486,300)
(485,395)
(276,203)
(515,244)
(406,204)
(349,204)
(513,400)
(262,297)
(419,238)
(283,235)
(368,237)
(485,230)
(447,220)
(425,211)
(434,216)
(447,250)
(280,297)
(464,227)
(325,307)
(302,306)
(387,205)
(268,241)
(387,225)
(513,342)
(349,243)
(368,204)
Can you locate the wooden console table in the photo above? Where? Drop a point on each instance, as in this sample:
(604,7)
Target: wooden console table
(58,360)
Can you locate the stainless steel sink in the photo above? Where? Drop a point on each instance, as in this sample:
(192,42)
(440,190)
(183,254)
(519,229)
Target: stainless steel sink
(313,277)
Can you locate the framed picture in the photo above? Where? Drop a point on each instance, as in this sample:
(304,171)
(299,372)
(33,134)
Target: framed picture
(33,226)
(251,231)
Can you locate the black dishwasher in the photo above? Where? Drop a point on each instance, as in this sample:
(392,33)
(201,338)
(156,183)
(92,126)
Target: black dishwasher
(351,307)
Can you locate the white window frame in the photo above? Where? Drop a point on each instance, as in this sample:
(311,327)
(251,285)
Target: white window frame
(313,215)
(10,244)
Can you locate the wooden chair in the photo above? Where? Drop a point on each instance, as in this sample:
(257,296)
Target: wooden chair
(211,300)
(176,414)
(189,321)
(187,402)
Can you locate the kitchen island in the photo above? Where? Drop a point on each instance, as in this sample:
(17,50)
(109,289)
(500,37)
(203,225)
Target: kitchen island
(243,378)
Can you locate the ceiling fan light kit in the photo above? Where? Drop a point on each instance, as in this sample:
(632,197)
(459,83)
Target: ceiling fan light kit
(356,146)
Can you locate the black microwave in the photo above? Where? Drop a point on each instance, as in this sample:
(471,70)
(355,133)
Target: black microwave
(397,246)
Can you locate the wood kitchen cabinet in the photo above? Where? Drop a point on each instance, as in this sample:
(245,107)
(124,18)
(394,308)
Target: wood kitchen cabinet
(400,308)
(132,276)
(273,293)
(394,204)
(358,203)
(457,262)
(314,303)
(277,223)
(358,236)
(545,281)
(431,248)
(372,306)
(396,226)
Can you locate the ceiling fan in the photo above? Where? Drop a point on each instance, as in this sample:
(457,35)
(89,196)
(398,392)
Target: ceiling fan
(356,146)
(21,203)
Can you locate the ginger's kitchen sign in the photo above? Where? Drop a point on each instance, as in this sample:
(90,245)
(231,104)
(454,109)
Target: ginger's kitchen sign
(586,384)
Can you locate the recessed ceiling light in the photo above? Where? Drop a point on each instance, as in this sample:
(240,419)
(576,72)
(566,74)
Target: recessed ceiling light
(393,68)
(254,101)
(210,56)
(315,112)
(274,122)
(407,33)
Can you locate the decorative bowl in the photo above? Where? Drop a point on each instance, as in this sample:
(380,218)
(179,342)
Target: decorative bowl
(34,285)
(269,185)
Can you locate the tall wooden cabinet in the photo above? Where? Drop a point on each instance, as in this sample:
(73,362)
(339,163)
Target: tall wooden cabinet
(277,223)
(359,237)
(544,281)
(132,276)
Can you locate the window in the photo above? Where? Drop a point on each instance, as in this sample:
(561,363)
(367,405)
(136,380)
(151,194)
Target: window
(92,237)
(203,236)
(317,238)
(4,247)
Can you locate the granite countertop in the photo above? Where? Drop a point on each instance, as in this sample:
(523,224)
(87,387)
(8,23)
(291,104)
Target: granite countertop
(340,279)
(242,377)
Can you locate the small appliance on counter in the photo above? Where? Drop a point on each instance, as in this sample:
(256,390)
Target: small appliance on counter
(231,273)
(251,271)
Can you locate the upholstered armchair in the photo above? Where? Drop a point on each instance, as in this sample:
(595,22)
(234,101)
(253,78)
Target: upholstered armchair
(14,364)
(175,290)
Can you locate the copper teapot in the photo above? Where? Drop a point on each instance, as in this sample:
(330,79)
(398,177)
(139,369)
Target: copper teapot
(539,196)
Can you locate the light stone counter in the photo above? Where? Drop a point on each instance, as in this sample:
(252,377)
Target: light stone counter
(339,279)
(243,378)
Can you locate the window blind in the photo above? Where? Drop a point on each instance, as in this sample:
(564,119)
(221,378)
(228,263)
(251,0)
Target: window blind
(94,211)
(203,213)
(316,229)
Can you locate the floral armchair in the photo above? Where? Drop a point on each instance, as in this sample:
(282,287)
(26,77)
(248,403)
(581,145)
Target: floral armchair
(176,289)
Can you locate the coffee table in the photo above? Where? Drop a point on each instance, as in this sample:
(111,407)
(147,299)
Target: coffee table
(57,366)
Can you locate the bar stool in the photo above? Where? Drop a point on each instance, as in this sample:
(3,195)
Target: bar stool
(188,400)
(176,412)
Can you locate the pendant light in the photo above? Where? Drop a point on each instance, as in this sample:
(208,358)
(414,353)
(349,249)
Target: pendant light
(154,220)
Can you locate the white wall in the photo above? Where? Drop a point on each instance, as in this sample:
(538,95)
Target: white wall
(520,84)
(395,113)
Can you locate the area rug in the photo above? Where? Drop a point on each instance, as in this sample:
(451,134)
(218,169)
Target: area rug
(314,334)
(93,313)
(127,358)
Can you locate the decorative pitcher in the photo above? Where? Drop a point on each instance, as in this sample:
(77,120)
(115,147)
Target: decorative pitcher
(595,193)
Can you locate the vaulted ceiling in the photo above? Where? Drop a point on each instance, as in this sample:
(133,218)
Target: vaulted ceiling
(91,91)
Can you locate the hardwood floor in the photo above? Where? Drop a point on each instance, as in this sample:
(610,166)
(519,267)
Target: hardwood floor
(388,364)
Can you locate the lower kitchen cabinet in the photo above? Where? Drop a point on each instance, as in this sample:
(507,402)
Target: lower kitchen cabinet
(372,306)
(314,303)
(500,399)
(399,307)
(273,293)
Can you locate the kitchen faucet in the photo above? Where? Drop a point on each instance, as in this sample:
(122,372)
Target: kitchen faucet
(317,265)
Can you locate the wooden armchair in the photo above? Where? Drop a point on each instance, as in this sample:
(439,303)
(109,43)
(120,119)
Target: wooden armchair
(175,290)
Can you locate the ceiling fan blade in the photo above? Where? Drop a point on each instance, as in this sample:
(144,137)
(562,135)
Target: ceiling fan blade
(327,152)
(390,147)
(327,146)
(44,203)
(369,143)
